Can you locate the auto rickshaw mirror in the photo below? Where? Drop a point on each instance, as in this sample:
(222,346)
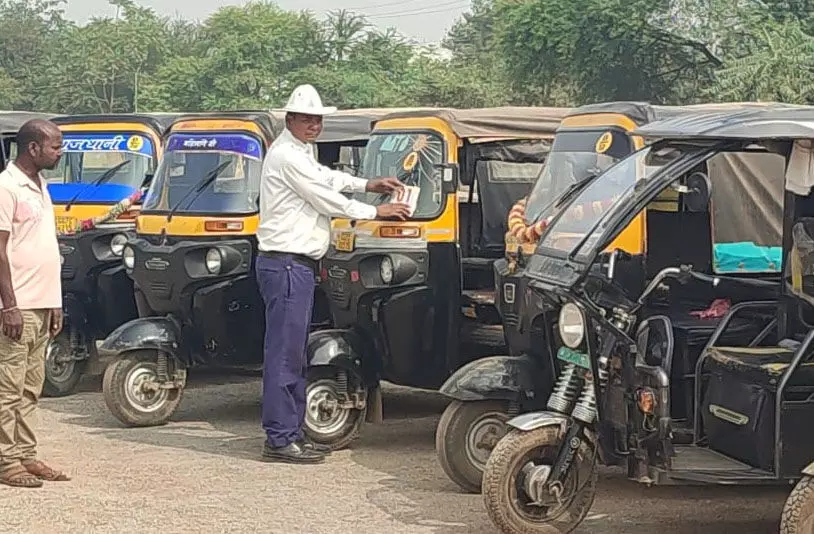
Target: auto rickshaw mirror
(698,191)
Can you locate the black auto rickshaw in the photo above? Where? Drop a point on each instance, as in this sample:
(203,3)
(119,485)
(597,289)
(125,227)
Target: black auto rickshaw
(732,257)
(413,301)
(107,161)
(192,261)
(489,391)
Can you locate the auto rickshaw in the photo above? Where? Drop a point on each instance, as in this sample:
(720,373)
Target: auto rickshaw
(107,160)
(192,261)
(413,301)
(734,255)
(488,392)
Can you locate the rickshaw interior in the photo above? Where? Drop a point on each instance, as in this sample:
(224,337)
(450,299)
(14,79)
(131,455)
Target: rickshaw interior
(684,227)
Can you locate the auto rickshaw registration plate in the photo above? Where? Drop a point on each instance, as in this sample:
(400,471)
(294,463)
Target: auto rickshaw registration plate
(66,225)
(345,241)
(579,359)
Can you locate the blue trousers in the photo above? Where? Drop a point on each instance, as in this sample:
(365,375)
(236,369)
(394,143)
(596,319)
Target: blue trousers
(288,293)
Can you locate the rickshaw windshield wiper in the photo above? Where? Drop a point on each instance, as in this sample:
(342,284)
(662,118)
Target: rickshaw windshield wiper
(200,188)
(107,175)
(572,190)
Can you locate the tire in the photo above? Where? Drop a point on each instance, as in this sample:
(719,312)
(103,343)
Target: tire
(61,378)
(121,393)
(505,466)
(798,513)
(466,435)
(336,429)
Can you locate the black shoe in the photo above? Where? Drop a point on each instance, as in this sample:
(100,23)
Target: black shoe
(293,453)
(310,445)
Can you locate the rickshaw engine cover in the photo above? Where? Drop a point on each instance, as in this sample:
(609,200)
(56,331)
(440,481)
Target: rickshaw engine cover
(738,409)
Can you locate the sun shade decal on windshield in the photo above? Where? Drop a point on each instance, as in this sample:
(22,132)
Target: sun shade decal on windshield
(236,143)
(111,142)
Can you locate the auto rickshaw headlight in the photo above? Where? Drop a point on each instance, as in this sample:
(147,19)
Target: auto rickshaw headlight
(214,261)
(117,244)
(386,270)
(572,325)
(129,257)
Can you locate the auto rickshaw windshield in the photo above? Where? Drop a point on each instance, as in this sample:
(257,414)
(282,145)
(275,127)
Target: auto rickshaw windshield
(86,157)
(188,162)
(414,158)
(575,156)
(588,213)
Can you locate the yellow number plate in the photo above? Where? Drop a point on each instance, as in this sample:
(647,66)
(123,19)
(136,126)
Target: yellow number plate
(66,225)
(344,241)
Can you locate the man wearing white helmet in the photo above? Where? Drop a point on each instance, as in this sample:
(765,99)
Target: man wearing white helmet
(298,196)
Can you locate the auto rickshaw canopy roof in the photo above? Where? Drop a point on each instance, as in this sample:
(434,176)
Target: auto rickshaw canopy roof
(754,121)
(159,122)
(11,121)
(349,125)
(644,113)
(481,125)
(271,123)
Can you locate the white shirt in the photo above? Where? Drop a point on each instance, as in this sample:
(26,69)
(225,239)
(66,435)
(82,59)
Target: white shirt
(298,197)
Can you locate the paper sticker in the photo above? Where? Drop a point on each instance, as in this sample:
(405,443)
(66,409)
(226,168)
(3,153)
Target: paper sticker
(408,195)
(604,143)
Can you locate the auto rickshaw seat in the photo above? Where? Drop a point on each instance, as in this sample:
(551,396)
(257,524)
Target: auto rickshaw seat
(764,365)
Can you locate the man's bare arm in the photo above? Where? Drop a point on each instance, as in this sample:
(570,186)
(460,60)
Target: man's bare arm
(6,289)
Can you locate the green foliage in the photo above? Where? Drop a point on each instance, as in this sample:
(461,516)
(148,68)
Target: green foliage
(502,52)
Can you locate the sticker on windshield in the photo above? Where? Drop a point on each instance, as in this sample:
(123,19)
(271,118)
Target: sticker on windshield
(409,196)
(245,145)
(110,142)
(604,143)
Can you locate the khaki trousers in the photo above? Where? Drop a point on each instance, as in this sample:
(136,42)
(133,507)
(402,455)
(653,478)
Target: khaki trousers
(22,373)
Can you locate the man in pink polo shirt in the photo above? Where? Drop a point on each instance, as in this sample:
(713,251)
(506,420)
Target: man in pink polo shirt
(30,298)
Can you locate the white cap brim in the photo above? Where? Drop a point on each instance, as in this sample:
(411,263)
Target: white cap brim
(330,110)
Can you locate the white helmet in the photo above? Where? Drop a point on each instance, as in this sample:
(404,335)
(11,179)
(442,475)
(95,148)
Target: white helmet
(305,99)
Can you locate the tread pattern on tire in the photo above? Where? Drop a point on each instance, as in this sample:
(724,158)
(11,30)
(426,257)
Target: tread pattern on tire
(494,481)
(799,505)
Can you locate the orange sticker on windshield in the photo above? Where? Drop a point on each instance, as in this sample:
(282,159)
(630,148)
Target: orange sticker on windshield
(410,161)
(604,143)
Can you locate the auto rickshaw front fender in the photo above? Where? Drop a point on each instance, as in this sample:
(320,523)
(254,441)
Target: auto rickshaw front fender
(809,470)
(510,378)
(336,347)
(534,420)
(146,333)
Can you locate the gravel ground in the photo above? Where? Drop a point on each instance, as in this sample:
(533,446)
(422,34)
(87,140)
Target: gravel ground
(201,474)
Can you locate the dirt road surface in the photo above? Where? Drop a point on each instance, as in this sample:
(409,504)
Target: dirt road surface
(201,474)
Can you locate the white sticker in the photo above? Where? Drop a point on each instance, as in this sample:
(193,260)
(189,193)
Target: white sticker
(408,195)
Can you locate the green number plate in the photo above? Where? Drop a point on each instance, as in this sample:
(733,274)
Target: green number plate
(577,358)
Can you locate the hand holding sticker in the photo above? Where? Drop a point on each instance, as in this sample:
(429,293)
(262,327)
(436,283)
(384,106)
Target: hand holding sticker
(407,195)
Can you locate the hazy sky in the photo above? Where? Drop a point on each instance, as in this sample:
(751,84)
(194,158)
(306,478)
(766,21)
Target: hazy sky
(424,20)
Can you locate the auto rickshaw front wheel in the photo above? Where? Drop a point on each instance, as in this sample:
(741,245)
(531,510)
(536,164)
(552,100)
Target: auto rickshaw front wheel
(517,497)
(329,417)
(62,369)
(798,513)
(133,392)
(465,437)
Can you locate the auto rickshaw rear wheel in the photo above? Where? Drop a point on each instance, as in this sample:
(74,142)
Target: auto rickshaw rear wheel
(62,370)
(509,478)
(131,392)
(798,513)
(326,422)
(465,437)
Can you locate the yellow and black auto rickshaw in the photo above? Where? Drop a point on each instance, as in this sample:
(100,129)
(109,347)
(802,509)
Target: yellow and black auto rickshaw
(413,301)
(488,391)
(192,260)
(106,164)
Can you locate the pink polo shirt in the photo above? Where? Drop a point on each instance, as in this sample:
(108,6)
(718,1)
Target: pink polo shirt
(26,211)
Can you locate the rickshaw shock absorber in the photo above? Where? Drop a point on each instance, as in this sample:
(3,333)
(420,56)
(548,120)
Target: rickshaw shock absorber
(342,381)
(75,339)
(585,410)
(162,367)
(565,390)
